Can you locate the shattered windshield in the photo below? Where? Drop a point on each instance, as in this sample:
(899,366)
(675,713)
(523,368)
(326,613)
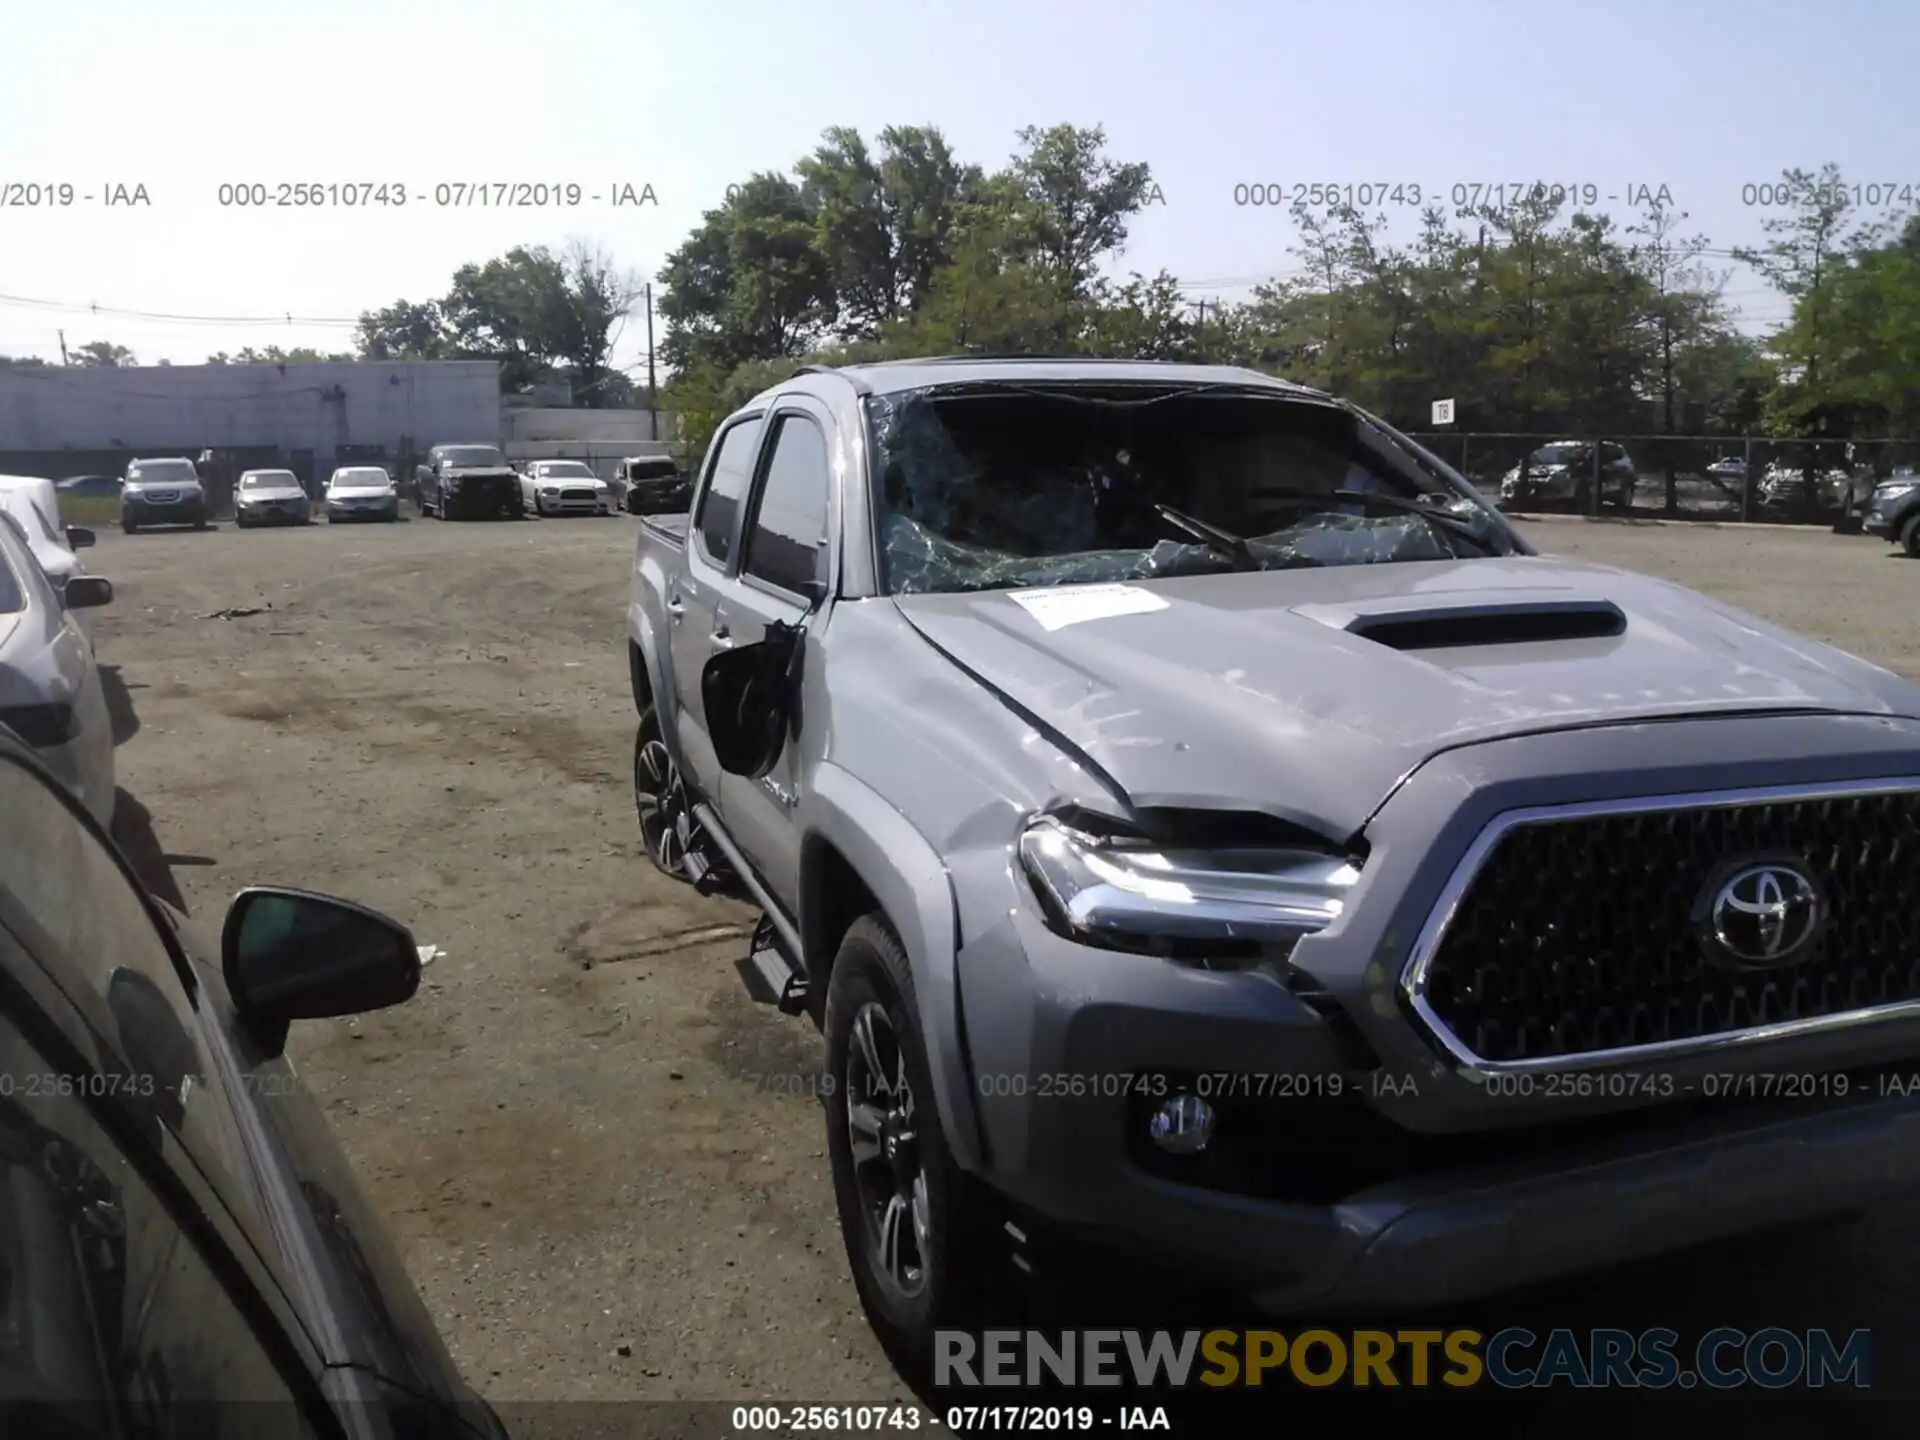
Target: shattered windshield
(1002,486)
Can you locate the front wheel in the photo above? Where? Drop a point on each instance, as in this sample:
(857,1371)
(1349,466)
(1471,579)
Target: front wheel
(1910,536)
(916,1227)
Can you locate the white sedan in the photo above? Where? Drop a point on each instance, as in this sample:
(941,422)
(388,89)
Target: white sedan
(50,692)
(564,487)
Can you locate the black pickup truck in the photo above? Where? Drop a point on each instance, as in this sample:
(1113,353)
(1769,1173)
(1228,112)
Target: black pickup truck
(468,482)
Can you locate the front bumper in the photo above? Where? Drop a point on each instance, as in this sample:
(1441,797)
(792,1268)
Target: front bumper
(483,497)
(1355,1162)
(284,513)
(173,512)
(1885,515)
(358,510)
(562,505)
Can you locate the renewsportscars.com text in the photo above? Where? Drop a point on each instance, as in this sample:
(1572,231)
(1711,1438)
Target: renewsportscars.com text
(1514,1358)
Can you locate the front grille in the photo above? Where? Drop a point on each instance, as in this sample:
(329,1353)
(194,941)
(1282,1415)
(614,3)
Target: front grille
(1577,935)
(162,497)
(586,495)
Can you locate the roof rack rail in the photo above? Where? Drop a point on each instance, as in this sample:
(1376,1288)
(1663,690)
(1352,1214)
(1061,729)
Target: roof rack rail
(859,385)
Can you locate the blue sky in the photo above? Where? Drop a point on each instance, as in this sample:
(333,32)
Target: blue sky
(1700,98)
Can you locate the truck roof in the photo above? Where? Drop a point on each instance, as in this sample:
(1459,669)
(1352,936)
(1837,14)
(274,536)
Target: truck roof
(894,376)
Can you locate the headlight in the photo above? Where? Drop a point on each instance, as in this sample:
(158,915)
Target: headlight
(547,492)
(1892,488)
(1132,894)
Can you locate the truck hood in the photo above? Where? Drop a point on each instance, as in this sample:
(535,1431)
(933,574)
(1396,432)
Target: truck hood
(1309,694)
(481,472)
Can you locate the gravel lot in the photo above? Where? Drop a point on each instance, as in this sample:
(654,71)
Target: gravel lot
(596,1153)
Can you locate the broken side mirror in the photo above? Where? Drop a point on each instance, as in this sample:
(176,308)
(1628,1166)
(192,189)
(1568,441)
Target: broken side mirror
(752,697)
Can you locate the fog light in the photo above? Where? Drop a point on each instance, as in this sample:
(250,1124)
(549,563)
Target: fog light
(1182,1125)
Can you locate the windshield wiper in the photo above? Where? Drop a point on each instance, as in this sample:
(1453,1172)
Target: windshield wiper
(1224,541)
(1426,510)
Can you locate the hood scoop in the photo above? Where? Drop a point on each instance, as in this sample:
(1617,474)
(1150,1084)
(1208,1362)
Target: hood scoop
(1420,623)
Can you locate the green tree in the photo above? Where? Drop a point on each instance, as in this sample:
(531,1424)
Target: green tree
(404,330)
(1081,201)
(749,283)
(1802,251)
(103,355)
(883,223)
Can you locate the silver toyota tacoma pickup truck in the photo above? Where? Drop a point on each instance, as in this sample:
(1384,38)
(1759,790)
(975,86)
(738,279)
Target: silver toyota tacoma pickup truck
(1201,825)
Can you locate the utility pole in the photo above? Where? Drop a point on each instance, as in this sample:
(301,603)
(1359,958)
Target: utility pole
(63,347)
(653,404)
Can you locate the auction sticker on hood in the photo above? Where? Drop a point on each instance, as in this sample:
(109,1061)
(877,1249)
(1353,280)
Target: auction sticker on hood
(1070,605)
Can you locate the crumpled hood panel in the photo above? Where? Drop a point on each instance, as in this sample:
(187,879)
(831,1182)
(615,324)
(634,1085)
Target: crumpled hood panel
(1245,692)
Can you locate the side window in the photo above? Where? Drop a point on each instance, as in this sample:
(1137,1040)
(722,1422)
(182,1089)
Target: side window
(789,531)
(109,1311)
(720,502)
(64,895)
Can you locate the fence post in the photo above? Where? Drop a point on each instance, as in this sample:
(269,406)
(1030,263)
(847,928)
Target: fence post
(1593,489)
(1746,483)
(1466,444)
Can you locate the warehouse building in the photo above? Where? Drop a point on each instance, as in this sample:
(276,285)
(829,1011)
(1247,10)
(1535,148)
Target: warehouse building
(63,421)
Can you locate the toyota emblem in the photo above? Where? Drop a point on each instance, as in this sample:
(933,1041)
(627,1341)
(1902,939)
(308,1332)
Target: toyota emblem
(1761,914)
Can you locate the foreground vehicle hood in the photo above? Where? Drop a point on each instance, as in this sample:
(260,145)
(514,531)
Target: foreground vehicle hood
(1250,692)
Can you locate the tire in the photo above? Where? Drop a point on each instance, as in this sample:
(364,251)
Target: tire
(904,1183)
(660,801)
(128,527)
(1910,535)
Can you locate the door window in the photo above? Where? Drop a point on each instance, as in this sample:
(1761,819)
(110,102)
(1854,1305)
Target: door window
(63,893)
(789,535)
(111,1319)
(726,488)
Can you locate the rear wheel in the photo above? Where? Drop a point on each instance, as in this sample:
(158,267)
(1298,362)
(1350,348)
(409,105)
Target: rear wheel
(660,800)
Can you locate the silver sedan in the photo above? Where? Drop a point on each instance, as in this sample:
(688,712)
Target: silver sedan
(271,497)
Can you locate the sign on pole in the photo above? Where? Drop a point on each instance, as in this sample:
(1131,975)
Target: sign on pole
(1443,412)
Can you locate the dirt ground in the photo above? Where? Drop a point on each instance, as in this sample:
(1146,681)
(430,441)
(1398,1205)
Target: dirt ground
(595,1151)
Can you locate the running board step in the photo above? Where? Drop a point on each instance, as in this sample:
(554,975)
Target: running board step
(709,878)
(770,978)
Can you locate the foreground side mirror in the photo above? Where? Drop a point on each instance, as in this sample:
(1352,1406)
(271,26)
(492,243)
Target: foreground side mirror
(752,698)
(293,955)
(78,537)
(87,592)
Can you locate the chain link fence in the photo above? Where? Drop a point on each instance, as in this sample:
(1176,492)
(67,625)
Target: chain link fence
(1672,477)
